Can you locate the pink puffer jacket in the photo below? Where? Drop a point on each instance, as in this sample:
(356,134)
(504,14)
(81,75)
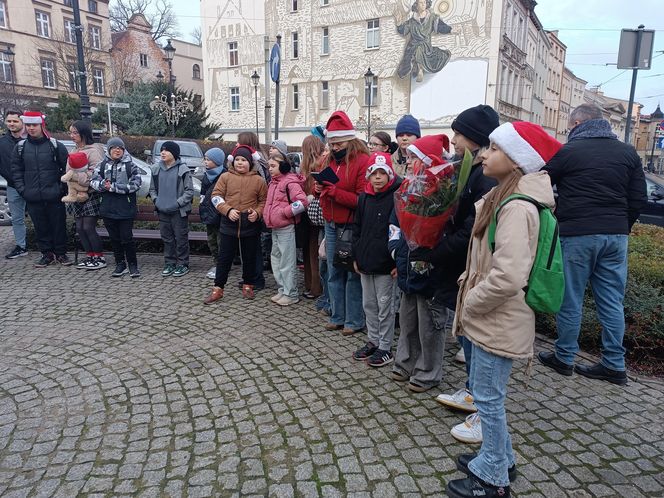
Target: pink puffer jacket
(278,212)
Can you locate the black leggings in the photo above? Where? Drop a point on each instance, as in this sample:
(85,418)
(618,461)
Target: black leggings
(86,227)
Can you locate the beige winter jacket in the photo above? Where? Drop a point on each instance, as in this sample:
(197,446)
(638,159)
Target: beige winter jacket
(491,308)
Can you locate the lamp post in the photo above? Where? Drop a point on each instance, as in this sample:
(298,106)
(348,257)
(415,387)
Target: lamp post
(171,107)
(82,74)
(169,50)
(368,83)
(9,57)
(255,80)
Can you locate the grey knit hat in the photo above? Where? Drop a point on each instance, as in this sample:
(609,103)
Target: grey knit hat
(281,146)
(115,142)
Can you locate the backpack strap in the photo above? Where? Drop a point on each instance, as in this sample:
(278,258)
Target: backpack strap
(494,218)
(52,141)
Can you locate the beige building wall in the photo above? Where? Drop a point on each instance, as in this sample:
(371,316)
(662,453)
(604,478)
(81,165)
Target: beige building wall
(188,67)
(46,53)
(554,83)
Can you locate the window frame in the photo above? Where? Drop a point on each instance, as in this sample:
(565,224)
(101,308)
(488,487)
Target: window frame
(91,30)
(70,33)
(325,40)
(295,45)
(141,58)
(44,71)
(373,88)
(294,5)
(196,72)
(74,80)
(93,7)
(98,75)
(374,33)
(6,67)
(233,50)
(324,94)
(41,23)
(234,95)
(324,3)
(3,9)
(295,94)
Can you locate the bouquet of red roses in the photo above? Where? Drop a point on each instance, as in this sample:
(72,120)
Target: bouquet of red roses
(426,200)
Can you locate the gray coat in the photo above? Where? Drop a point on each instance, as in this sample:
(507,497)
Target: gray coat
(185,186)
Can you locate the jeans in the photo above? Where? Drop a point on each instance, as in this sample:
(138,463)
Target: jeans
(489,375)
(467,347)
(283,260)
(17,209)
(122,240)
(602,259)
(344,287)
(174,230)
(49,219)
(377,296)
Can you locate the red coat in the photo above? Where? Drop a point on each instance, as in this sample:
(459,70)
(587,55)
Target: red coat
(339,202)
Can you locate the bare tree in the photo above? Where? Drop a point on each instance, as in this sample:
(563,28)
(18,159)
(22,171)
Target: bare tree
(159,14)
(196,35)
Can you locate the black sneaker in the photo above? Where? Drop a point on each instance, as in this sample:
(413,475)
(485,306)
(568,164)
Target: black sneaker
(85,264)
(599,371)
(98,262)
(380,358)
(181,271)
(120,269)
(47,259)
(168,270)
(64,260)
(134,272)
(364,352)
(472,487)
(17,252)
(550,360)
(464,460)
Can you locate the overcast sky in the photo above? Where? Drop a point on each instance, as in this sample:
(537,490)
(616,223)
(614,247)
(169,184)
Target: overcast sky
(589,28)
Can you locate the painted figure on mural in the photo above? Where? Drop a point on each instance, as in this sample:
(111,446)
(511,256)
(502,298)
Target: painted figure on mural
(420,55)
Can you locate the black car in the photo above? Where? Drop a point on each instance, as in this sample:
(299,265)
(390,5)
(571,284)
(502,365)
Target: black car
(653,213)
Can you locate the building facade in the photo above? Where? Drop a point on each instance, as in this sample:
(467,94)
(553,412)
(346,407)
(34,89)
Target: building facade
(554,81)
(650,141)
(42,35)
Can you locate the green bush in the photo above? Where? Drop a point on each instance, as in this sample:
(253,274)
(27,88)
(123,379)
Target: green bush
(644,303)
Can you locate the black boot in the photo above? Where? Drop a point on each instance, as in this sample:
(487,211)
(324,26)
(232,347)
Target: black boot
(472,487)
(550,360)
(599,371)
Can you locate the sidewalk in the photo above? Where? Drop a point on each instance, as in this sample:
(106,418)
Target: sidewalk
(113,387)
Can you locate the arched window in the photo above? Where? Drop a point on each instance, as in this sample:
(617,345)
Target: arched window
(196,71)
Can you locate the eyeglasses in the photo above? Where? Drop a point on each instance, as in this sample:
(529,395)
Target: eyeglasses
(376,144)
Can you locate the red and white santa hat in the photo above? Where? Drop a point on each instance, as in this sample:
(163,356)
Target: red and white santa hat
(78,160)
(35,117)
(380,160)
(249,153)
(339,128)
(527,144)
(430,149)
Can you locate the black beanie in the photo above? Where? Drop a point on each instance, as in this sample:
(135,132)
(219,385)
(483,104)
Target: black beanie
(477,123)
(171,147)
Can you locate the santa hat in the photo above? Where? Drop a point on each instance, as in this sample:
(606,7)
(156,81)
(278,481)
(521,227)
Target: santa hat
(35,117)
(78,160)
(430,149)
(527,144)
(249,153)
(339,128)
(380,160)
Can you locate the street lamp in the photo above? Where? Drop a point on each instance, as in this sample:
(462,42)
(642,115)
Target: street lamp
(171,107)
(160,77)
(255,79)
(169,50)
(9,57)
(368,83)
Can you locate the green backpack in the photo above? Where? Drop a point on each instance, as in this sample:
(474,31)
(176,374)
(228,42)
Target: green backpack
(546,283)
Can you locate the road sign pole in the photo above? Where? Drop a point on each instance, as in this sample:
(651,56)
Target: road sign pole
(268,107)
(277,97)
(110,125)
(635,72)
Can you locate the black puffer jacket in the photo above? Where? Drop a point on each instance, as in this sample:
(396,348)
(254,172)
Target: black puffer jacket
(371,229)
(7,144)
(208,213)
(37,171)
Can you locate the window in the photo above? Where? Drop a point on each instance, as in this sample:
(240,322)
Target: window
(325,42)
(68,3)
(95,37)
(295,45)
(70,31)
(3,14)
(98,81)
(293,5)
(92,6)
(371,91)
(74,80)
(6,70)
(235,98)
(43,24)
(48,73)
(324,94)
(144,60)
(233,55)
(296,96)
(196,72)
(373,33)
(324,3)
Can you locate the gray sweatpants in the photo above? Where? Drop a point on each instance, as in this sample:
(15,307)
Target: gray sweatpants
(422,340)
(174,230)
(377,297)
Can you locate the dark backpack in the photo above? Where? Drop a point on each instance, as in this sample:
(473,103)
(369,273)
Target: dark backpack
(546,283)
(102,171)
(52,141)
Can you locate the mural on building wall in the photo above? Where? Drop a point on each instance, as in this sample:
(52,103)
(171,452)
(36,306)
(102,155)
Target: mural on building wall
(420,55)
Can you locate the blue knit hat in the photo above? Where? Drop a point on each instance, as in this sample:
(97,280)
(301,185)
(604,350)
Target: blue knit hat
(216,155)
(408,124)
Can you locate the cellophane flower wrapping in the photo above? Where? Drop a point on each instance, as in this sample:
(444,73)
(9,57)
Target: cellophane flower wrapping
(427,199)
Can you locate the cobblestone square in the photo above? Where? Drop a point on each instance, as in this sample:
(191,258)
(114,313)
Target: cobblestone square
(121,387)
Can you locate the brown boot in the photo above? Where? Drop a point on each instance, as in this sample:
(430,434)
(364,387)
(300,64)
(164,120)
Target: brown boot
(216,294)
(247,291)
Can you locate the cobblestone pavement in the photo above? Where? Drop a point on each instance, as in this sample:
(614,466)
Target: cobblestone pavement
(118,387)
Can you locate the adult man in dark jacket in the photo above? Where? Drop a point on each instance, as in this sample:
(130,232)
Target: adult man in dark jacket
(37,165)
(601,191)
(16,203)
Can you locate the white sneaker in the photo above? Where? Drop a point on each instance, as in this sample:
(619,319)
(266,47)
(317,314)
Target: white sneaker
(212,273)
(469,431)
(276,297)
(287,301)
(461,400)
(460,357)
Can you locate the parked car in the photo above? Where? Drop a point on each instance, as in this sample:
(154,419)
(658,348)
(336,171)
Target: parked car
(145,170)
(190,154)
(296,159)
(653,214)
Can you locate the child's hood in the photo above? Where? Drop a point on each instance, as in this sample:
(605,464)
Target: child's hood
(289,178)
(538,186)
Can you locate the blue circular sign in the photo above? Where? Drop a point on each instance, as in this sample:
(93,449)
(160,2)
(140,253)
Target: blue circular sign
(275,63)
